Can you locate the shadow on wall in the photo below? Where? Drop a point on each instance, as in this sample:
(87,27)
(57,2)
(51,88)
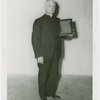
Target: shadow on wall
(74,30)
(57,9)
(63,40)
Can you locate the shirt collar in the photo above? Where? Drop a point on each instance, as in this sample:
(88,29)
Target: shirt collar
(49,15)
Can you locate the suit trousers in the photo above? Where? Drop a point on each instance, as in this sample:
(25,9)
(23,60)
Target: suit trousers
(48,76)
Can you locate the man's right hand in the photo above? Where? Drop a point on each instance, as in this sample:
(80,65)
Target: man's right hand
(40,60)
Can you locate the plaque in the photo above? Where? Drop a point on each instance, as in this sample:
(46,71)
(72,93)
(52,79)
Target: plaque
(68,28)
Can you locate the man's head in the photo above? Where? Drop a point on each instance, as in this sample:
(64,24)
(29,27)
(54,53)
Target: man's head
(50,6)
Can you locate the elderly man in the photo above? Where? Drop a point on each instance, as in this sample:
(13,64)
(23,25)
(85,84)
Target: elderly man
(47,47)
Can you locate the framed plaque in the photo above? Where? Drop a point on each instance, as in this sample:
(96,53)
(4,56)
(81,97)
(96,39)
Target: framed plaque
(68,28)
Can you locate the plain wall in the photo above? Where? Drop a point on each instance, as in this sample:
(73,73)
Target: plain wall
(20,17)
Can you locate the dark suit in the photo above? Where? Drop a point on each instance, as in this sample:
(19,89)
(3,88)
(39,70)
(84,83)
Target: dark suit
(47,43)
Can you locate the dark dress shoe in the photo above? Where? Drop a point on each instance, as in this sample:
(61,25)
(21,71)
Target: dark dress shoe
(56,97)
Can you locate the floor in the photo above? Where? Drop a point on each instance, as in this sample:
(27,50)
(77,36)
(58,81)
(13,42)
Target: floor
(71,87)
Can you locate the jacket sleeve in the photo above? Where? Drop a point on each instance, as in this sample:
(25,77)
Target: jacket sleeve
(36,38)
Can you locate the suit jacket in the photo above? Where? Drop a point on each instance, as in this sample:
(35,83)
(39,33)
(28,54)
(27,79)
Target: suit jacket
(45,39)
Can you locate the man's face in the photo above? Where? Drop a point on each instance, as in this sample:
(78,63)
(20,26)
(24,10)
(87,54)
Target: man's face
(50,7)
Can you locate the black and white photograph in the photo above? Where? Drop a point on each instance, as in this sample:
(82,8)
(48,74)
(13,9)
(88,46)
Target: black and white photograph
(48,49)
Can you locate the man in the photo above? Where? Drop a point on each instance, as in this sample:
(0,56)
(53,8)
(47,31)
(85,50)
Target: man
(47,47)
